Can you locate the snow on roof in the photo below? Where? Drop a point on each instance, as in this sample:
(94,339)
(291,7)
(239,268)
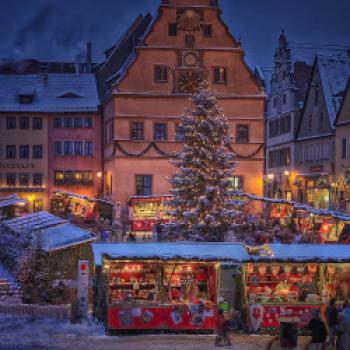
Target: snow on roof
(64,235)
(334,74)
(48,90)
(120,74)
(233,252)
(12,199)
(308,252)
(169,251)
(33,222)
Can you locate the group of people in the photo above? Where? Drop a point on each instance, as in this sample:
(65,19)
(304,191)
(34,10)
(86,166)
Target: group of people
(331,332)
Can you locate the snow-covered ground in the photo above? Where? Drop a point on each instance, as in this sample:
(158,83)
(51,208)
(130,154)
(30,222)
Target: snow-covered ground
(19,333)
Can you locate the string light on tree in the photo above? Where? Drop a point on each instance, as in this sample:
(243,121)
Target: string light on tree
(202,187)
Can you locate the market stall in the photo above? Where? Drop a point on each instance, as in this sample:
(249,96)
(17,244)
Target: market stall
(288,281)
(146,212)
(162,286)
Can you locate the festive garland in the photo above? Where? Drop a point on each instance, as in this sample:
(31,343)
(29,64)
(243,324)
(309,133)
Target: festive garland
(154,145)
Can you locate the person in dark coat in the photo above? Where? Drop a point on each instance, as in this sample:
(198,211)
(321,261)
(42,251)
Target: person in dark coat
(332,320)
(221,330)
(318,331)
(342,329)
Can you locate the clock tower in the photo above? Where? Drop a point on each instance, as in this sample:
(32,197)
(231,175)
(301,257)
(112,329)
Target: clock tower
(187,42)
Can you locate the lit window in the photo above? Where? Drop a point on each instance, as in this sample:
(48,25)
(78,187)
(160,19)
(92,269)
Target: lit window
(24,179)
(237,183)
(220,75)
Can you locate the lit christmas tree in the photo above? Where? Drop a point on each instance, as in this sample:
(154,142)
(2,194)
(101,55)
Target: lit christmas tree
(202,205)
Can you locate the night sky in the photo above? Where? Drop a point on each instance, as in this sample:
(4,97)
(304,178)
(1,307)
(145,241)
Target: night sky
(58,29)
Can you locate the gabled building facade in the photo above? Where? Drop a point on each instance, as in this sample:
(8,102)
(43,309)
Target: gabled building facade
(342,153)
(185,44)
(315,140)
(50,136)
(286,90)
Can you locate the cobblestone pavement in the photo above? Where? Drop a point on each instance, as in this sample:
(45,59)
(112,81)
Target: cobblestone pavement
(18,333)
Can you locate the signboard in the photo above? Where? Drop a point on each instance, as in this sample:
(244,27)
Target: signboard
(83,286)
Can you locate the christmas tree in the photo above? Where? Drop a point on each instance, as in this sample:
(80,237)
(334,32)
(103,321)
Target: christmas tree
(202,205)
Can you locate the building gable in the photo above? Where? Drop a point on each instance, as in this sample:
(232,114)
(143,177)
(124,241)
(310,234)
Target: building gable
(344,112)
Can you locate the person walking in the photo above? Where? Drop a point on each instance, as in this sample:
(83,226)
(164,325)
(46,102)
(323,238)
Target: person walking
(221,330)
(332,321)
(342,330)
(318,331)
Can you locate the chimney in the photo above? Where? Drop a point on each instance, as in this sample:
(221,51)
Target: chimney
(88,57)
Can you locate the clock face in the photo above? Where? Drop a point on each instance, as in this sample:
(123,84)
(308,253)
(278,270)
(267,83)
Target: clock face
(190,60)
(189,82)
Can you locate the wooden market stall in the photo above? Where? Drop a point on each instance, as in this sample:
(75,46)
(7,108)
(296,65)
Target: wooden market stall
(289,280)
(162,286)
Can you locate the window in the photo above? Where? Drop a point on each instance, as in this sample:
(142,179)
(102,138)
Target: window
(78,122)
(58,148)
(11,152)
(160,132)
(274,102)
(143,185)
(37,205)
(24,151)
(88,122)
(172,29)
(67,122)
(284,99)
(57,123)
(24,179)
(11,179)
(310,121)
(137,131)
(316,97)
(37,123)
(343,149)
(280,157)
(78,148)
(179,132)
(220,75)
(190,40)
(37,151)
(160,73)
(321,121)
(242,134)
(24,123)
(237,183)
(70,177)
(38,179)
(88,151)
(68,148)
(59,177)
(207,31)
(10,123)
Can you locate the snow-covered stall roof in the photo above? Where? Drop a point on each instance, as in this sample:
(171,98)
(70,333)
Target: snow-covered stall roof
(307,253)
(63,236)
(12,199)
(51,92)
(334,74)
(169,251)
(33,222)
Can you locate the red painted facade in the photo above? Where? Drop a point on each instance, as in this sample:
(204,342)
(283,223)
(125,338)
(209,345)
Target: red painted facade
(81,165)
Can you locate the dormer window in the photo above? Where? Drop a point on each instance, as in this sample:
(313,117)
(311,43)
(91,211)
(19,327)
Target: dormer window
(69,95)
